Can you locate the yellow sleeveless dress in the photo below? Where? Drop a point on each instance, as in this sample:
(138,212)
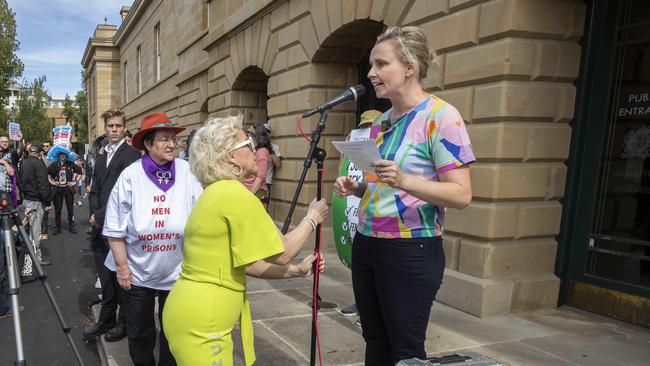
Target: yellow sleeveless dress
(227,230)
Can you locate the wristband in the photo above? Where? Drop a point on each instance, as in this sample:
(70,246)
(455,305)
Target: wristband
(311,222)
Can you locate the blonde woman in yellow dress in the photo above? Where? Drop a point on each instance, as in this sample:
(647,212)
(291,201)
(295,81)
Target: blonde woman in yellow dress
(228,235)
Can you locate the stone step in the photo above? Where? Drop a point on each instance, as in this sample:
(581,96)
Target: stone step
(111,353)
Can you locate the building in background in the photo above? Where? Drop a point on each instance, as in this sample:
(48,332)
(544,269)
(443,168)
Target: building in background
(14,94)
(53,106)
(540,83)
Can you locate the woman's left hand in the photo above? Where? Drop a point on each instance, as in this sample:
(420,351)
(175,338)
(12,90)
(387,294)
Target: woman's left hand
(305,267)
(388,172)
(124,276)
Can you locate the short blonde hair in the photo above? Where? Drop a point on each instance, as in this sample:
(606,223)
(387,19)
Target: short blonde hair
(113,112)
(210,149)
(411,46)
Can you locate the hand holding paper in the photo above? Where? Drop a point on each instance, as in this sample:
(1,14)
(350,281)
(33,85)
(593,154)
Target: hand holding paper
(361,153)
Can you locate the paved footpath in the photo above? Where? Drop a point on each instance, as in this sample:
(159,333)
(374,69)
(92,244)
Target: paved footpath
(72,279)
(558,337)
(282,319)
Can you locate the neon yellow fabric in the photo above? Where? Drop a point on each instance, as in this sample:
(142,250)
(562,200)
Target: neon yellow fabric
(197,334)
(227,230)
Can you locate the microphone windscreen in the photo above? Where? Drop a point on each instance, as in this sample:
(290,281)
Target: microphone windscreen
(359,90)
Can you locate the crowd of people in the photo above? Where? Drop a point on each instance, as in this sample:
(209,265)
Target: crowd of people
(38,186)
(185,228)
(151,242)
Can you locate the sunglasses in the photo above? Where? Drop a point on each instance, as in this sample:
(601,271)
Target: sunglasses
(248,142)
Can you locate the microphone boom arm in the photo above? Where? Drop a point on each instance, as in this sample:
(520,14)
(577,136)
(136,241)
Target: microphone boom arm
(350,94)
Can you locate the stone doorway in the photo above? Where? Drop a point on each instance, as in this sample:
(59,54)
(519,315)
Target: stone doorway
(249,95)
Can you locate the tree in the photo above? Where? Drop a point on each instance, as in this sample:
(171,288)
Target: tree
(77,114)
(82,116)
(69,110)
(31,114)
(11,67)
(5,117)
(82,102)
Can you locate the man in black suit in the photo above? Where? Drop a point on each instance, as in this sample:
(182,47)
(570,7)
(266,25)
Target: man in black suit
(116,157)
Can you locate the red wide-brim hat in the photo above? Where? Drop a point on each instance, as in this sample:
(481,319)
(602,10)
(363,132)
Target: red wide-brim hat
(153,122)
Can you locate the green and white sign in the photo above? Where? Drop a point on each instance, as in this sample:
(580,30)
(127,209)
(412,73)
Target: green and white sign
(345,210)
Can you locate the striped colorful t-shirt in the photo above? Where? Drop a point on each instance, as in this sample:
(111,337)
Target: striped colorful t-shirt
(429,140)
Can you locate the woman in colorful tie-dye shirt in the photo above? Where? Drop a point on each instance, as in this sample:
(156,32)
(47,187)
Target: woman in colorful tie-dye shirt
(397,256)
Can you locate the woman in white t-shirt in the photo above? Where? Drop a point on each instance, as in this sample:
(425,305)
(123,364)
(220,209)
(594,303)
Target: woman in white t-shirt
(145,218)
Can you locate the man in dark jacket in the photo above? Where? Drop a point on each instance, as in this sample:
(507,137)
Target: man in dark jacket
(46,148)
(36,189)
(117,155)
(62,178)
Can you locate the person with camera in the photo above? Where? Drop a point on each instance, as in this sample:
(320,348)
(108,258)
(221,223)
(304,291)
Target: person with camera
(36,189)
(276,158)
(62,178)
(8,164)
(257,182)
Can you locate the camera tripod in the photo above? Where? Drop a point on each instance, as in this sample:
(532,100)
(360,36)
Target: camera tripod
(9,216)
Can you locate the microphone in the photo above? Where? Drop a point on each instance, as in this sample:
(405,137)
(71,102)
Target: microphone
(350,94)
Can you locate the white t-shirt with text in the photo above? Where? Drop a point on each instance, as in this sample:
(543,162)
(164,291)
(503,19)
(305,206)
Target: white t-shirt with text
(151,222)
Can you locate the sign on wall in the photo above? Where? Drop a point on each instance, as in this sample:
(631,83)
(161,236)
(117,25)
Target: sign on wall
(634,102)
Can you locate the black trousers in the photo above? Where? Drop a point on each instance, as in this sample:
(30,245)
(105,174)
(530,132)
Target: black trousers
(141,327)
(46,214)
(61,193)
(46,217)
(112,294)
(395,282)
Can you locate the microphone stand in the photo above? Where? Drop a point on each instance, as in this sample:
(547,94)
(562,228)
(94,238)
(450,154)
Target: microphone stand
(318,154)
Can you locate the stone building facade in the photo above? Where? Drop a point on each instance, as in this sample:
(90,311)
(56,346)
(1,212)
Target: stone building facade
(509,66)
(55,116)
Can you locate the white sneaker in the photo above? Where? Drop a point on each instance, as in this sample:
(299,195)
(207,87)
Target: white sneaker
(98,284)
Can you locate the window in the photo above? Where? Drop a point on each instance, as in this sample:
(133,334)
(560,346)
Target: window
(206,13)
(207,21)
(156,42)
(89,93)
(126,83)
(93,84)
(139,51)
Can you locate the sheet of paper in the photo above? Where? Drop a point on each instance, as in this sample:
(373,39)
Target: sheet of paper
(359,134)
(361,153)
